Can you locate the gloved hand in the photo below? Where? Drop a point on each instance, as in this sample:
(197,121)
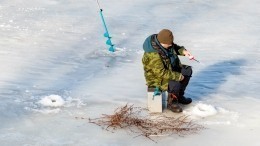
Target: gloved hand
(157,91)
(188,54)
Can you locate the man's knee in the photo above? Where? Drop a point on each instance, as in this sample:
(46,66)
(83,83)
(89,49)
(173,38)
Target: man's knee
(186,70)
(174,86)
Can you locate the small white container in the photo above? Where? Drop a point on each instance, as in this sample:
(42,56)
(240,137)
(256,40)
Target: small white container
(156,103)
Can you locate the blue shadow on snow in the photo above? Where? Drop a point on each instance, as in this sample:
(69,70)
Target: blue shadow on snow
(208,80)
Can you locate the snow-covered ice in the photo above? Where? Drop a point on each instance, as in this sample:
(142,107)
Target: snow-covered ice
(55,66)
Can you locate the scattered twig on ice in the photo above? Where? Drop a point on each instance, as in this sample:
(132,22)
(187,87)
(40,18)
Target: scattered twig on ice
(138,121)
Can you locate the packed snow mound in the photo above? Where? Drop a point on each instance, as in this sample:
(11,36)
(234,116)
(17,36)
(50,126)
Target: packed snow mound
(53,104)
(202,110)
(52,101)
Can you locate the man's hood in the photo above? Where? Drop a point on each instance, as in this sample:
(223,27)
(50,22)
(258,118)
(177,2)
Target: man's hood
(147,46)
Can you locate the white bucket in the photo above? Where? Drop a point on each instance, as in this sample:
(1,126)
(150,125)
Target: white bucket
(156,103)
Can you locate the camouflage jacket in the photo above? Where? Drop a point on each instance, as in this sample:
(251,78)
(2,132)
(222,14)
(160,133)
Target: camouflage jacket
(161,65)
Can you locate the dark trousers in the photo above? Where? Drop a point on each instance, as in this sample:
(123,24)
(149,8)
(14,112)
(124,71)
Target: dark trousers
(178,87)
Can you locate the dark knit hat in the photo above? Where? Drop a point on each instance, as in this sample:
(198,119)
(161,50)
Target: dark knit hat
(165,36)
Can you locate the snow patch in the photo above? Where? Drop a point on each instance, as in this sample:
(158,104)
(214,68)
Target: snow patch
(52,101)
(104,52)
(48,111)
(53,104)
(216,123)
(202,110)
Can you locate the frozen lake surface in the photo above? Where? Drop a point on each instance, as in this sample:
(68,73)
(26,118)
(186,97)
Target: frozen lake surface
(55,66)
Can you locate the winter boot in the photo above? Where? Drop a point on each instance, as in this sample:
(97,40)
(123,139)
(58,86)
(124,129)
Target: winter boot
(172,103)
(184,100)
(181,98)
